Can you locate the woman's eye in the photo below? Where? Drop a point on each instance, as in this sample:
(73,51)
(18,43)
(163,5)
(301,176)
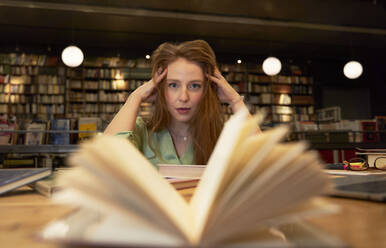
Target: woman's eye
(172,85)
(195,86)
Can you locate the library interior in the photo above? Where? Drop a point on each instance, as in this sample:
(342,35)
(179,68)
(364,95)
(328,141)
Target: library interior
(310,71)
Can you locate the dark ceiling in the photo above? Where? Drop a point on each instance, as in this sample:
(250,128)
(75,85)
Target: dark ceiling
(297,28)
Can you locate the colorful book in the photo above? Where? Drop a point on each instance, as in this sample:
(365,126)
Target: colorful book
(60,138)
(88,124)
(5,137)
(36,137)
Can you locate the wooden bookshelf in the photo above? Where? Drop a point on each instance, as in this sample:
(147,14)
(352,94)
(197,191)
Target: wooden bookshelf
(286,98)
(39,86)
(101,86)
(31,86)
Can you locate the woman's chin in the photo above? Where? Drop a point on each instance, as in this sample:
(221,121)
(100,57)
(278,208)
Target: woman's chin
(182,119)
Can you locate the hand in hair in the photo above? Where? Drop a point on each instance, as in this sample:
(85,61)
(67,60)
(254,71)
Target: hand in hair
(225,91)
(147,91)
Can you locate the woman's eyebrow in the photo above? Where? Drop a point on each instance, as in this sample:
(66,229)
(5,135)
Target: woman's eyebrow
(196,81)
(171,79)
(191,81)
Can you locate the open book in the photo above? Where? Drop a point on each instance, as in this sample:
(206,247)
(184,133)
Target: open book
(252,182)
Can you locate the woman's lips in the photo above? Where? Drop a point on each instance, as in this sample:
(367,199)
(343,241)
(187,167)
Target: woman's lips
(183,110)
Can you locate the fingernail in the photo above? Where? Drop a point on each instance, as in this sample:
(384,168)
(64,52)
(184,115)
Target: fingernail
(160,70)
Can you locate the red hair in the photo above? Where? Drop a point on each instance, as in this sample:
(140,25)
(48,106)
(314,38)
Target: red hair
(207,123)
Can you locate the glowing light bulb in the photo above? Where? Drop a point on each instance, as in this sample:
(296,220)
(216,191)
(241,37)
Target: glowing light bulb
(72,56)
(271,66)
(353,70)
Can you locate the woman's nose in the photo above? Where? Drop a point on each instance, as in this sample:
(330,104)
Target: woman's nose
(184,94)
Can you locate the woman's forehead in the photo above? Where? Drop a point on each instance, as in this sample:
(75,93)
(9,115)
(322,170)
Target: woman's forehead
(182,68)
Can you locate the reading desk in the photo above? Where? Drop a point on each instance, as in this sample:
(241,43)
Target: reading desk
(24,212)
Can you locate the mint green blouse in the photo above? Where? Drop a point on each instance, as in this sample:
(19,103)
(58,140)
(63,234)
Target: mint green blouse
(161,141)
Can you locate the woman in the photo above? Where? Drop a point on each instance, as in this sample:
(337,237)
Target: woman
(187,89)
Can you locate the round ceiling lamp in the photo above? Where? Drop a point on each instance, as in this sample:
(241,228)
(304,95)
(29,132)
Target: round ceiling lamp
(353,70)
(72,56)
(271,66)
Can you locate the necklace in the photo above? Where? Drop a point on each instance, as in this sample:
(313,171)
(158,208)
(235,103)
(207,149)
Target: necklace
(183,137)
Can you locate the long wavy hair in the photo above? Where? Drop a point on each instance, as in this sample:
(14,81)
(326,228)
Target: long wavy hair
(208,121)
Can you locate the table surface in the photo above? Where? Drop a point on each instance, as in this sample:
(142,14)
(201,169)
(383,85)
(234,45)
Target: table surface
(24,212)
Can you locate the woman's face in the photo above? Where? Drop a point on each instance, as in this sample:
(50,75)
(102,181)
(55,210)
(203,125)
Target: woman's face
(184,88)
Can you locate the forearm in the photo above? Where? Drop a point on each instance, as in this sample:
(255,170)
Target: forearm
(239,104)
(125,119)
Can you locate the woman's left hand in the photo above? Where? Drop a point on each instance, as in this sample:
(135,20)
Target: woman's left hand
(225,91)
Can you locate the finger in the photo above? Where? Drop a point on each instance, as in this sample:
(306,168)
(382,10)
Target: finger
(217,74)
(161,76)
(214,79)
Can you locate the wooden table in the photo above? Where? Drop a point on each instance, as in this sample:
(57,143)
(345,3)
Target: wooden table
(24,212)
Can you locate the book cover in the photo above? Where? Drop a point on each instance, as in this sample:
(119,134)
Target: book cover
(60,138)
(88,124)
(35,137)
(368,129)
(246,187)
(5,137)
(14,178)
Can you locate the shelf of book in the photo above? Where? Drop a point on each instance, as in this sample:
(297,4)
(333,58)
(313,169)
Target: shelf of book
(285,98)
(40,87)
(101,86)
(31,85)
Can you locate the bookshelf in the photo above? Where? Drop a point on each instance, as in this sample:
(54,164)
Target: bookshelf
(40,87)
(101,86)
(31,86)
(285,98)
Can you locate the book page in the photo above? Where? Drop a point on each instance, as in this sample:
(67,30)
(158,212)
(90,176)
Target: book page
(244,146)
(99,222)
(218,164)
(121,199)
(125,169)
(292,216)
(284,184)
(250,156)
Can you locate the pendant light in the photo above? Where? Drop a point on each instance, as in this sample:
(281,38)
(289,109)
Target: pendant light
(72,56)
(271,66)
(352,69)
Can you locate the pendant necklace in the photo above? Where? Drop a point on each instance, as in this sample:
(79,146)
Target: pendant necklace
(184,138)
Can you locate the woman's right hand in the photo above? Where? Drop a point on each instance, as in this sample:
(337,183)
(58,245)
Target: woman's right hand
(147,91)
